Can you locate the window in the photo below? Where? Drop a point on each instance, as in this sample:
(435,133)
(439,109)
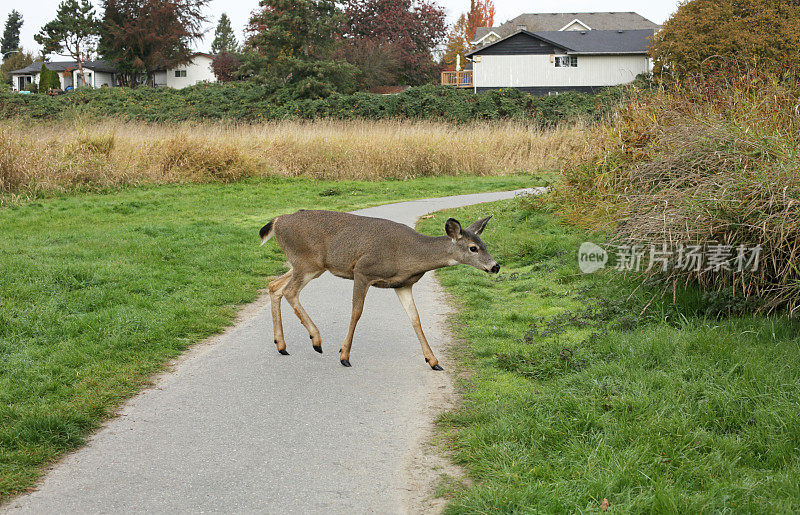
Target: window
(566,61)
(180,73)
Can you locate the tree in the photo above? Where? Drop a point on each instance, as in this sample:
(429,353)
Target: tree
(294,28)
(481,14)
(74,31)
(711,35)
(48,79)
(10,39)
(143,36)
(291,45)
(379,61)
(458,44)
(224,39)
(13,62)
(414,27)
(225,66)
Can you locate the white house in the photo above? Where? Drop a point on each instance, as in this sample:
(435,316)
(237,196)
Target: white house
(102,73)
(550,62)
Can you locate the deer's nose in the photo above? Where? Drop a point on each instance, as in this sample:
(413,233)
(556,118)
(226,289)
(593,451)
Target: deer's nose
(495,268)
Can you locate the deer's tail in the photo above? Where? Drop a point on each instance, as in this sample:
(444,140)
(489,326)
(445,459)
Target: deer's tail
(267,231)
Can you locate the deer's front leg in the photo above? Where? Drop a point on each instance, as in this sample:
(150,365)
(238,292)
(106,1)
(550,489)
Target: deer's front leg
(360,286)
(407,300)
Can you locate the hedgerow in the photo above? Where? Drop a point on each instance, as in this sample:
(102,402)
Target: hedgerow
(249,102)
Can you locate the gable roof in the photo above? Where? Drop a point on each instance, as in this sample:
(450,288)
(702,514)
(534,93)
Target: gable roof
(536,22)
(62,66)
(588,41)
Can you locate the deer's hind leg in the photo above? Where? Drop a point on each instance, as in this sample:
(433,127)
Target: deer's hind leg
(297,282)
(276,289)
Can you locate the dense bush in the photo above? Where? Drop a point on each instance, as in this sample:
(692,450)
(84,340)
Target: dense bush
(243,101)
(711,163)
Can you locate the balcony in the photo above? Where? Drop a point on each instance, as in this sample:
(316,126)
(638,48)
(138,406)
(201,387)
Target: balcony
(462,79)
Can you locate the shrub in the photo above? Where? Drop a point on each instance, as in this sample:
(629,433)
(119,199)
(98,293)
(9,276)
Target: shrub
(48,79)
(715,163)
(243,101)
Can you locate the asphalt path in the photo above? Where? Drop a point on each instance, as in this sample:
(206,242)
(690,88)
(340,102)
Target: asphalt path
(236,427)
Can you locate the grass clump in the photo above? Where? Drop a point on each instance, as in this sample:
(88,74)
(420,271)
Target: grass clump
(601,387)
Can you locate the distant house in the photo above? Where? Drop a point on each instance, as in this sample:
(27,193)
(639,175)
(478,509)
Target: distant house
(554,52)
(102,73)
(545,63)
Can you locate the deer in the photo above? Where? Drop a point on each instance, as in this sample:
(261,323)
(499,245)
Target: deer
(372,252)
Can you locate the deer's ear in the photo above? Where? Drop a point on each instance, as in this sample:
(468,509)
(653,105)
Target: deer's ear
(453,228)
(479,226)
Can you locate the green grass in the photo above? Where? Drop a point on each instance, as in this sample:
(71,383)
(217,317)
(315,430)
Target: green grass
(565,404)
(98,291)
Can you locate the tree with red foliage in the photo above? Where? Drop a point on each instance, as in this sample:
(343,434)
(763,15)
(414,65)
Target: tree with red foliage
(412,28)
(225,66)
(481,14)
(142,36)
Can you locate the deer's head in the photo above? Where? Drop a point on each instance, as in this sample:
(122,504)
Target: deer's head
(468,249)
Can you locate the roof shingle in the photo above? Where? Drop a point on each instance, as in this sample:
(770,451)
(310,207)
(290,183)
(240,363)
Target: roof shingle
(535,22)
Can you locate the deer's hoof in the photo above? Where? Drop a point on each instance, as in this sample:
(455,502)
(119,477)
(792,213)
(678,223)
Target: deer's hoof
(346,362)
(437,367)
(284,352)
(318,348)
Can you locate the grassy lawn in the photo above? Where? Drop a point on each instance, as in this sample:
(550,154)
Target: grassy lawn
(572,395)
(98,291)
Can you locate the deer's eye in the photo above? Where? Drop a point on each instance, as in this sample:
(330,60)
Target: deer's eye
(473,249)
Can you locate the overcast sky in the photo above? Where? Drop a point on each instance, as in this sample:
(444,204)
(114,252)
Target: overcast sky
(38,12)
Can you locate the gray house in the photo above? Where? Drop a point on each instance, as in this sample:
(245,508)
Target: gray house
(552,22)
(545,62)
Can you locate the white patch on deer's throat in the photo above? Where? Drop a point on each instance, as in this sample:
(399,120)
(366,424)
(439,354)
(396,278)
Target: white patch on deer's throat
(452,262)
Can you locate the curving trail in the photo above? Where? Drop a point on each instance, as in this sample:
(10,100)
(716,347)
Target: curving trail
(236,427)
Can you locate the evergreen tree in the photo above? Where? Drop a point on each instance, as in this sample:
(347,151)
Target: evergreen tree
(291,45)
(10,39)
(74,31)
(224,39)
(48,79)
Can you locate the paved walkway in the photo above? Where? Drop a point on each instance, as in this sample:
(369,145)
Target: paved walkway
(236,427)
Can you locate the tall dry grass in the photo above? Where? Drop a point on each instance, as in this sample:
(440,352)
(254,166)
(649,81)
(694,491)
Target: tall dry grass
(717,163)
(62,156)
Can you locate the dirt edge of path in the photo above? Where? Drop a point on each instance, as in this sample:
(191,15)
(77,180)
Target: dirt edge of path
(428,461)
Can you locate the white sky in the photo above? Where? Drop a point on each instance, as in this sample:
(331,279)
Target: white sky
(38,12)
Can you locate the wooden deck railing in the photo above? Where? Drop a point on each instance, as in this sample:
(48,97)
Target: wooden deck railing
(462,79)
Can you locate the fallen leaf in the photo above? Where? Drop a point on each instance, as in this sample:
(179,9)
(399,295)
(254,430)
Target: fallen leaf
(425,217)
(604,505)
